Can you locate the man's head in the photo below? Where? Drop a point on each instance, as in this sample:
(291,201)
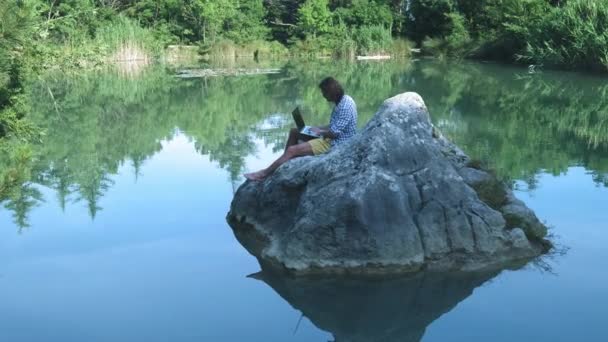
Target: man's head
(331,89)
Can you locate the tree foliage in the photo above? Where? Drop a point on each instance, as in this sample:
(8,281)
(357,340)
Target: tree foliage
(314,17)
(429,18)
(558,33)
(366,13)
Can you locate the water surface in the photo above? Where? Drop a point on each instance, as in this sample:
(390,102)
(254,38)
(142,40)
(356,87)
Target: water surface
(121,236)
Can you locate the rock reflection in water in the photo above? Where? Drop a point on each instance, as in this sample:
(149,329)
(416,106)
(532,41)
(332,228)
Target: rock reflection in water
(376,309)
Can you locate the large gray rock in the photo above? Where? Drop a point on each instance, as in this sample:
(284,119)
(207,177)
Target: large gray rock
(398,197)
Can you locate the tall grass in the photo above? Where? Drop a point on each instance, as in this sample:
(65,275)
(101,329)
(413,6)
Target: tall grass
(227,49)
(574,35)
(372,40)
(127,41)
(346,48)
(349,42)
(121,40)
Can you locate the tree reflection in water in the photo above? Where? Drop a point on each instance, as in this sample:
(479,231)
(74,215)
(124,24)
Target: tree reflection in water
(519,124)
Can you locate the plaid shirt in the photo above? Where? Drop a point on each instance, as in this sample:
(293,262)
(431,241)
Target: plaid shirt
(343,121)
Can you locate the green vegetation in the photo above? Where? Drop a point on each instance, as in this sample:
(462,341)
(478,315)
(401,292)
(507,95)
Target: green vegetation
(15,130)
(565,34)
(41,34)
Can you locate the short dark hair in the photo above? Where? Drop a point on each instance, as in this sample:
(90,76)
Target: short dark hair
(333,87)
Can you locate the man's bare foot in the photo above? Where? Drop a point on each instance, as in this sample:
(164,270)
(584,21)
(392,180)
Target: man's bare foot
(256,176)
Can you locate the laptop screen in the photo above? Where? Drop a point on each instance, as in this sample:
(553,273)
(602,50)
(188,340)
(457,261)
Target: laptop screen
(297,117)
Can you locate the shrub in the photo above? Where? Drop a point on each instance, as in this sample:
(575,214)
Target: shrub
(226,48)
(223,48)
(314,46)
(372,40)
(457,43)
(365,13)
(458,40)
(274,48)
(428,18)
(346,48)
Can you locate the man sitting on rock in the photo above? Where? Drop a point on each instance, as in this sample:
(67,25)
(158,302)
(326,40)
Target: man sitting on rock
(342,126)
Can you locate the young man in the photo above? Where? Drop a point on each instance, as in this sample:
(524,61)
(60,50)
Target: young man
(342,126)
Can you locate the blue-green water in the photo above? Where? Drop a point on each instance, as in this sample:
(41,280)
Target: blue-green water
(120,234)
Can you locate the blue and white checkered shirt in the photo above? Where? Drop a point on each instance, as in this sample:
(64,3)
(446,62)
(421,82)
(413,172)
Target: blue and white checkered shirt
(343,121)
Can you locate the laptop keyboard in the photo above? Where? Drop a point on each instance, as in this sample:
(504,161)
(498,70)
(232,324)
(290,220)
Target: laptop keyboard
(307,130)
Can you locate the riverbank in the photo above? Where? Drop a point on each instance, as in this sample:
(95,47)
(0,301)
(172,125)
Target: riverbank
(570,35)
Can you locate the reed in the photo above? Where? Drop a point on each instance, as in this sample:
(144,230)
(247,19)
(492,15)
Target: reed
(572,36)
(227,49)
(126,41)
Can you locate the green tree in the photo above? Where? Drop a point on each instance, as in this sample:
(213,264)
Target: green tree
(71,20)
(429,18)
(366,13)
(314,17)
(173,20)
(17,20)
(282,16)
(25,198)
(214,14)
(248,22)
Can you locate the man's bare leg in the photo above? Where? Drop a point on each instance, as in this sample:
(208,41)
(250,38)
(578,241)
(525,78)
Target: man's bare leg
(292,140)
(299,150)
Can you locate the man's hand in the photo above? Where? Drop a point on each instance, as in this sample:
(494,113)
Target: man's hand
(323,132)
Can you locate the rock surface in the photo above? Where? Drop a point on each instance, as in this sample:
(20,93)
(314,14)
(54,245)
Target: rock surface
(398,197)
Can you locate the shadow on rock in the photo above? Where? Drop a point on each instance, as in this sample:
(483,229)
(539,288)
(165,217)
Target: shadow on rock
(376,309)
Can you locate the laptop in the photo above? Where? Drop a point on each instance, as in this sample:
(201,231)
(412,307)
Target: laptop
(306,130)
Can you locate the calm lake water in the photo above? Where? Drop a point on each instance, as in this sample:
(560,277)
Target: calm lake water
(121,233)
